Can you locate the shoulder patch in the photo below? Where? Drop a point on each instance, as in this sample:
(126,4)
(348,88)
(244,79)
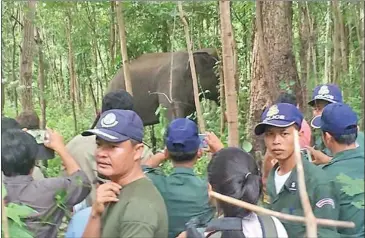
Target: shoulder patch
(326,201)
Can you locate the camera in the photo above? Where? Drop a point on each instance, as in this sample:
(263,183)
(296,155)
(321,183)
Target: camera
(41,136)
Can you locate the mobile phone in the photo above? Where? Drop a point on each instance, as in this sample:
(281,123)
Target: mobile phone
(307,153)
(203,143)
(39,135)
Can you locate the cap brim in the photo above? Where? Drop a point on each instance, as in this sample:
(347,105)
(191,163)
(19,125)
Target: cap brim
(316,122)
(311,102)
(260,128)
(105,134)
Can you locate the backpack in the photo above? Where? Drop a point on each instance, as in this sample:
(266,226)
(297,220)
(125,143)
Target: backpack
(229,227)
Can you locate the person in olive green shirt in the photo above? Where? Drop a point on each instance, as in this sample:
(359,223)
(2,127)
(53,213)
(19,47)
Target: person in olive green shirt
(185,194)
(338,124)
(129,205)
(322,96)
(279,123)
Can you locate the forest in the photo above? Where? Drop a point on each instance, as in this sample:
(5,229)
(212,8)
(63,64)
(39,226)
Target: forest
(58,58)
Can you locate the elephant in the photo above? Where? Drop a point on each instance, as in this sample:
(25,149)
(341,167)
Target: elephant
(150,78)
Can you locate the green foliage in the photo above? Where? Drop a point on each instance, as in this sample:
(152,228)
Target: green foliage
(352,187)
(15,213)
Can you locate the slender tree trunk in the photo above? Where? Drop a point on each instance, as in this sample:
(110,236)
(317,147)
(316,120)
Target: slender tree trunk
(15,93)
(336,38)
(123,48)
(41,80)
(229,72)
(199,113)
(27,57)
(360,38)
(71,70)
(112,36)
(327,57)
(274,63)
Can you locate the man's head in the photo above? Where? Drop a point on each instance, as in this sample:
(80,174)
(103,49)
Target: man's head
(323,95)
(28,119)
(120,99)
(9,123)
(287,98)
(119,135)
(18,152)
(278,124)
(338,123)
(182,141)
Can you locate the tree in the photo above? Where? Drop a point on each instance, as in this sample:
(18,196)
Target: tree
(27,57)
(273,61)
(123,48)
(229,71)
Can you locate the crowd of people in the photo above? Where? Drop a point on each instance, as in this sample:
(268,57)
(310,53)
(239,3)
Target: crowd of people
(114,186)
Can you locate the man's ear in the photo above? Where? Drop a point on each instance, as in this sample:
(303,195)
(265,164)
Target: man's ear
(199,154)
(139,151)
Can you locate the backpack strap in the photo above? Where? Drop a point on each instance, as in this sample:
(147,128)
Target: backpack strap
(225,224)
(268,226)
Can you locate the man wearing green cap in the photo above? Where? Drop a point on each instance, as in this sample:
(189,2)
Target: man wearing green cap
(338,124)
(279,123)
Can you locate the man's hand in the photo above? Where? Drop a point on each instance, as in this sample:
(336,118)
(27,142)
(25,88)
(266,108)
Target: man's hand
(213,142)
(318,157)
(107,192)
(54,140)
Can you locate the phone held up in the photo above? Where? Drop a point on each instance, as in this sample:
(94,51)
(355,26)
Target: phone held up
(203,143)
(41,136)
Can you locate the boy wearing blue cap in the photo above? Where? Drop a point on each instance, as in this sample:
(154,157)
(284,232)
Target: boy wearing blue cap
(324,95)
(279,123)
(185,194)
(338,124)
(129,205)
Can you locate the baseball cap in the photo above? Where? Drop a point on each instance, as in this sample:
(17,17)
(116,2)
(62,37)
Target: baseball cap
(118,126)
(327,92)
(182,136)
(337,119)
(279,115)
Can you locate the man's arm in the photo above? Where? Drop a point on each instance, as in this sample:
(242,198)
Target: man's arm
(93,227)
(155,160)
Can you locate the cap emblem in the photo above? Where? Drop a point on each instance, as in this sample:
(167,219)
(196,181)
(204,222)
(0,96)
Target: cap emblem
(273,110)
(324,90)
(109,120)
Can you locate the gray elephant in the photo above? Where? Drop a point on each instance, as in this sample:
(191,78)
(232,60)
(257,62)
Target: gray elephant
(150,75)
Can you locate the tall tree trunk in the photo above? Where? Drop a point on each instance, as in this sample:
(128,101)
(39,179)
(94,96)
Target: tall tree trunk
(41,80)
(112,36)
(336,39)
(229,72)
(274,63)
(15,93)
(71,68)
(27,57)
(123,48)
(199,113)
(360,38)
(327,55)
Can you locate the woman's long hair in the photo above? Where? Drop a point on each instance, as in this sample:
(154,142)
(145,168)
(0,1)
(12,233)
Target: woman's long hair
(234,172)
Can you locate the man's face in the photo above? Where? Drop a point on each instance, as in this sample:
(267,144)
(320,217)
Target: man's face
(280,141)
(116,159)
(318,107)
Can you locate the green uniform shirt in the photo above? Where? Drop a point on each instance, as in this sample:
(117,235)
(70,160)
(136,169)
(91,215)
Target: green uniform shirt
(139,213)
(350,163)
(321,193)
(319,144)
(185,195)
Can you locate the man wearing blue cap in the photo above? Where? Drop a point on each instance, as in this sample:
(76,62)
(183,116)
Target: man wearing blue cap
(279,124)
(338,124)
(322,96)
(185,194)
(129,205)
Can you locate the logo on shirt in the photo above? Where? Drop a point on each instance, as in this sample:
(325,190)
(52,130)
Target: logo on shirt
(109,120)
(326,201)
(293,186)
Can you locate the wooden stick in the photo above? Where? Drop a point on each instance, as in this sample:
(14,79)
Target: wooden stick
(311,225)
(283,216)
(4,219)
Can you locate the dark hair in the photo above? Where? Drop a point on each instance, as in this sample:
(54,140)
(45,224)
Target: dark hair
(182,156)
(287,98)
(119,99)
(234,172)
(345,139)
(18,152)
(9,123)
(28,119)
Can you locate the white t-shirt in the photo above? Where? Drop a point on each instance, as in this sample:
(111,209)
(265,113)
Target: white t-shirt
(251,228)
(280,180)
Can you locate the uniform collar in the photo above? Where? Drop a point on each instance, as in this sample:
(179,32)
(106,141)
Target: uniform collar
(19,179)
(347,155)
(183,170)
